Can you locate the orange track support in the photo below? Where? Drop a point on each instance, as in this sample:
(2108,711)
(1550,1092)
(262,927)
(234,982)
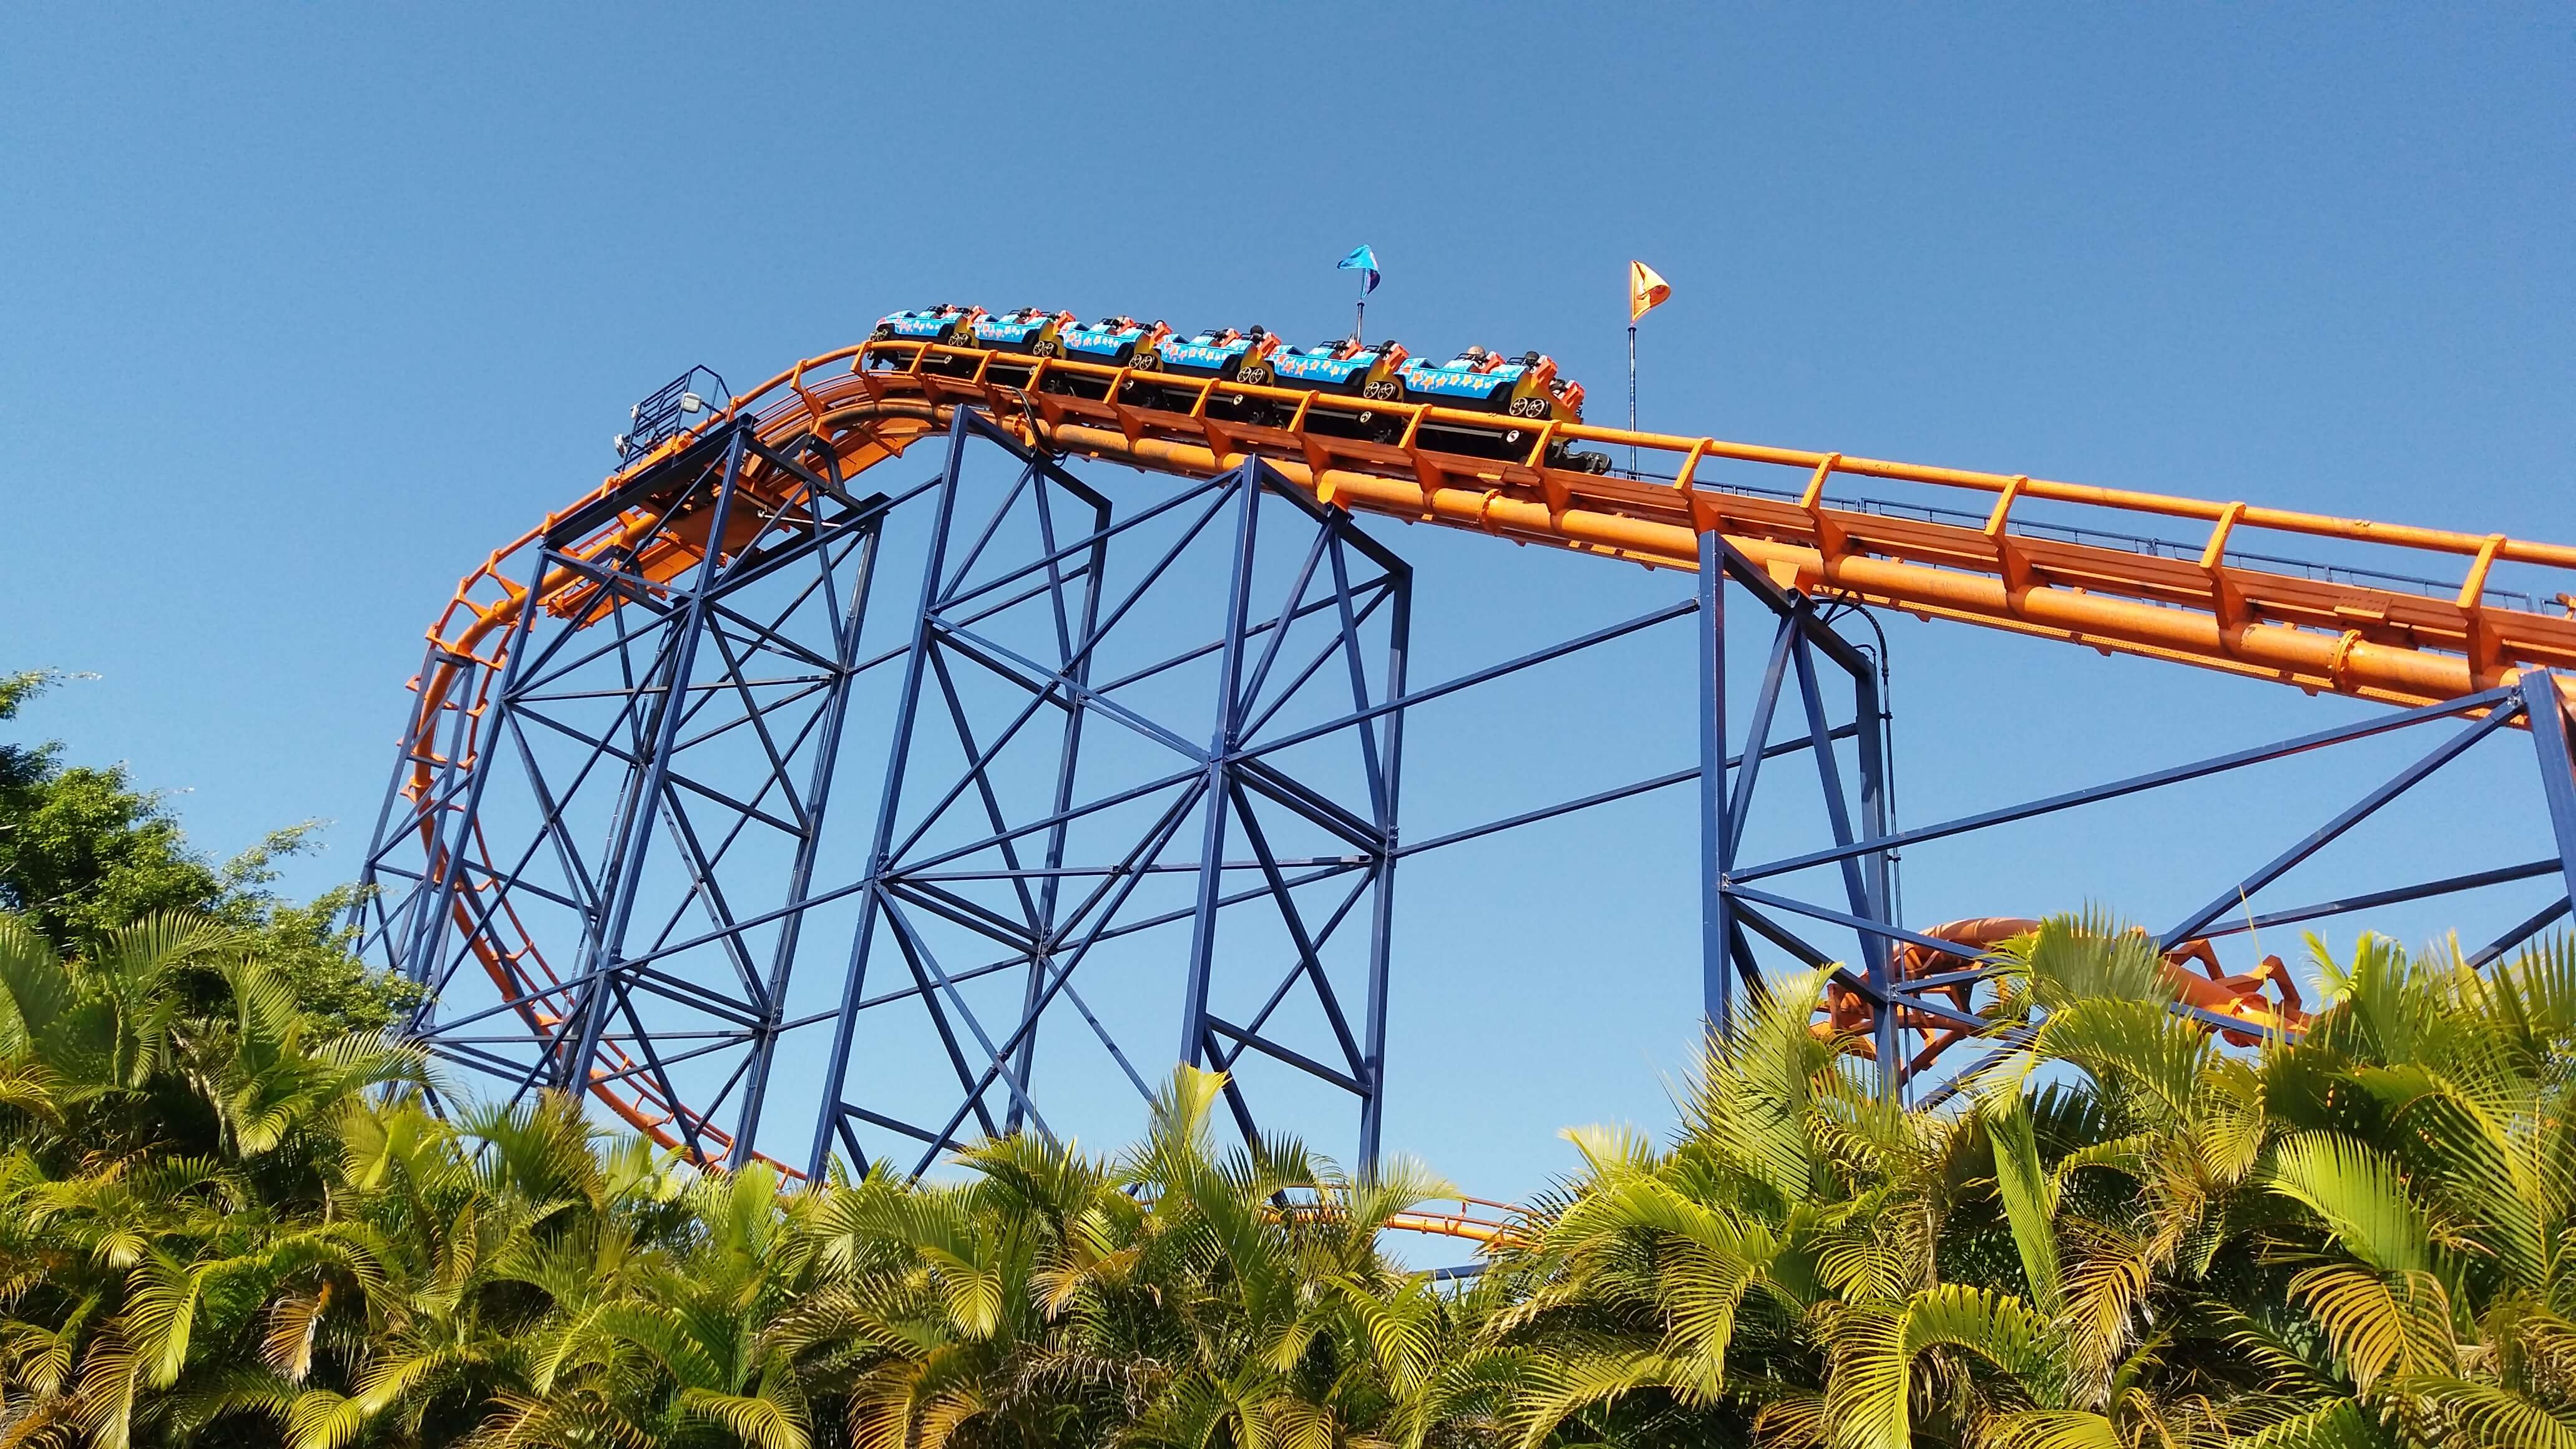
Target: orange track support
(1846,1015)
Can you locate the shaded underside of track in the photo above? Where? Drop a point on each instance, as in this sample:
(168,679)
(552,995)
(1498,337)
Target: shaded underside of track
(2374,636)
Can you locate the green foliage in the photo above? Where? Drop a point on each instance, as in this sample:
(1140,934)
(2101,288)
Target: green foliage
(82,853)
(221,1224)
(2367,1237)
(228,1217)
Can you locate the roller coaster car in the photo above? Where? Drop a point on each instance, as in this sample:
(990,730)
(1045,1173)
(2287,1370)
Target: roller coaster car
(1031,331)
(1118,341)
(1478,380)
(1221,353)
(1115,342)
(946,324)
(1353,369)
(1340,368)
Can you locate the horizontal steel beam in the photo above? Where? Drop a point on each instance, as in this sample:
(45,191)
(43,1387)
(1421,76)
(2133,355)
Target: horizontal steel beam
(2153,779)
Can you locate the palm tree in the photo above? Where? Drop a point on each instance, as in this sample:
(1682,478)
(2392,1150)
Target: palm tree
(2079,1256)
(167,1117)
(219,1223)
(2131,1187)
(2429,1135)
(932,1312)
(1178,1296)
(1674,1296)
(1292,1328)
(467,1247)
(669,1342)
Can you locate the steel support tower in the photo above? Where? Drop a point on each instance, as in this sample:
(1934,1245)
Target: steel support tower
(1135,747)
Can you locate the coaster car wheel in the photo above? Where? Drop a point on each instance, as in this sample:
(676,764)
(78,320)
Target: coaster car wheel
(1255,374)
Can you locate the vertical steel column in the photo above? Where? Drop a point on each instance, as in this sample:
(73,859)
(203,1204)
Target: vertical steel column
(800,880)
(881,845)
(1057,657)
(1077,646)
(2546,710)
(1382,909)
(1884,962)
(650,777)
(1221,742)
(1716,830)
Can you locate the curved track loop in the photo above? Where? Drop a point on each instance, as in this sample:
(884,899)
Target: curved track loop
(2264,1000)
(866,404)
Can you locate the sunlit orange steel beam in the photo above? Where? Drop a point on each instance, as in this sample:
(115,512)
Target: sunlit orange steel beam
(2318,635)
(1478,1220)
(2263,1003)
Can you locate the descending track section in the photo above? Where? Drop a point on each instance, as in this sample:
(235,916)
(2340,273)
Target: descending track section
(694,625)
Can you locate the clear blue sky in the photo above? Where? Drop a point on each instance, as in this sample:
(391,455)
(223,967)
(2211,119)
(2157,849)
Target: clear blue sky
(303,310)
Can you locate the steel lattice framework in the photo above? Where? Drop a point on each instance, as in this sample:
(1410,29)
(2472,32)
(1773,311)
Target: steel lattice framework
(671,871)
(1223,784)
(1137,750)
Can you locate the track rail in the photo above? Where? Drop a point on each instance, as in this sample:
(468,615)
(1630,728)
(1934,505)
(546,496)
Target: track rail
(2319,634)
(2336,633)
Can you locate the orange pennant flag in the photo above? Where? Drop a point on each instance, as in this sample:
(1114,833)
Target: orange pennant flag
(1646,290)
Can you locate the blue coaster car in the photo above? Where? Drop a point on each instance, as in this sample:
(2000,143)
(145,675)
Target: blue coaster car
(1030,331)
(1525,387)
(1114,342)
(1481,381)
(1223,353)
(1351,369)
(946,324)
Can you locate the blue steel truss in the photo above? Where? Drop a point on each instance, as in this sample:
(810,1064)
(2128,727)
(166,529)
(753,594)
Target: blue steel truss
(669,745)
(1046,894)
(611,870)
(1737,908)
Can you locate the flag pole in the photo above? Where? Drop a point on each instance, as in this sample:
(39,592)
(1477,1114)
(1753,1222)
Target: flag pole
(1632,395)
(1363,261)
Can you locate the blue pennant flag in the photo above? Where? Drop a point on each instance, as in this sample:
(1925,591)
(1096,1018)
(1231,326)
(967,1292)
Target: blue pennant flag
(1361,259)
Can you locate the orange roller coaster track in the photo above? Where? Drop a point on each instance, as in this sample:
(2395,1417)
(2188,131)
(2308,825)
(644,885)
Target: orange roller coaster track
(1771,517)
(2318,634)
